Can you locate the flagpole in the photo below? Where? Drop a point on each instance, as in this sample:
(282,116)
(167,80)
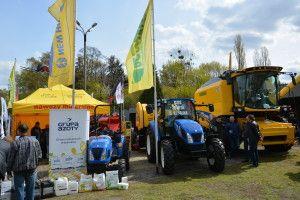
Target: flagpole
(73,90)
(155,90)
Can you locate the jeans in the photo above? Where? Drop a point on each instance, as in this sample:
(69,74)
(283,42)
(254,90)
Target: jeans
(253,153)
(233,143)
(29,179)
(246,149)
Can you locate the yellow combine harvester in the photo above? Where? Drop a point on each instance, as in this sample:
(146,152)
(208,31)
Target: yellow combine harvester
(142,121)
(250,91)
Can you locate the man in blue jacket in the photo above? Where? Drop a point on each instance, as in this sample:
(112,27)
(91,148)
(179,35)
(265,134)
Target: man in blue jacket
(233,134)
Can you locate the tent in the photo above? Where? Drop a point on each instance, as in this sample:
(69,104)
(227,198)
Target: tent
(36,107)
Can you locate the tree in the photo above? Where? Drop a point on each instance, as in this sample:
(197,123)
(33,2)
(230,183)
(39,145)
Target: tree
(5,94)
(186,56)
(96,69)
(30,79)
(147,96)
(178,80)
(261,57)
(115,73)
(173,73)
(239,52)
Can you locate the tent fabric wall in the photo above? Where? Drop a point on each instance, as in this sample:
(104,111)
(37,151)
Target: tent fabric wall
(36,106)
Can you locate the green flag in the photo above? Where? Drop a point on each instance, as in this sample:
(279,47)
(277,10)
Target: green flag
(12,86)
(139,60)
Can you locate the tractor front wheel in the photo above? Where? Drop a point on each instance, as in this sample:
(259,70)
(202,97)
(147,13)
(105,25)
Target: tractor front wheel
(216,156)
(167,157)
(150,147)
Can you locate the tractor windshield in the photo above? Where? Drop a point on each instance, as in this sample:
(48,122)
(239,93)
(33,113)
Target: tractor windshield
(256,90)
(183,108)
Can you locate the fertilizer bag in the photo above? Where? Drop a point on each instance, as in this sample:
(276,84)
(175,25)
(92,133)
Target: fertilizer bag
(99,182)
(112,179)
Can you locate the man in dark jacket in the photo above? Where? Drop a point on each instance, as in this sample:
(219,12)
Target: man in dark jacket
(253,135)
(23,161)
(4,155)
(232,135)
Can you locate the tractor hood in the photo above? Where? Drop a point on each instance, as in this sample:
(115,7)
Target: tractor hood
(185,127)
(189,126)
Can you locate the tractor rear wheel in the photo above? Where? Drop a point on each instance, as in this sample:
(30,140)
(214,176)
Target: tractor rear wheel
(167,157)
(150,147)
(216,155)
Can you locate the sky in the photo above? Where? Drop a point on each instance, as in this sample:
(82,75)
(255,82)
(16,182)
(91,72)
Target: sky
(206,27)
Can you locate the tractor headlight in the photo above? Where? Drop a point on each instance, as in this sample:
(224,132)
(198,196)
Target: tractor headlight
(103,155)
(189,138)
(91,156)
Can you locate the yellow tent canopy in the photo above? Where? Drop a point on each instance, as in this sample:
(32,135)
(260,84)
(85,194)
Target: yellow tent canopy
(36,107)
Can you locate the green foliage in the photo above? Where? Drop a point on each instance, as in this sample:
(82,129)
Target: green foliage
(115,73)
(30,79)
(180,80)
(5,94)
(102,77)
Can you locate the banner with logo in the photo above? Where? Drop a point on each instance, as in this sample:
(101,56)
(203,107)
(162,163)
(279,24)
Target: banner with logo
(139,59)
(12,86)
(68,135)
(63,45)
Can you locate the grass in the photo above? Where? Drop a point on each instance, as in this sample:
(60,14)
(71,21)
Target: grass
(277,177)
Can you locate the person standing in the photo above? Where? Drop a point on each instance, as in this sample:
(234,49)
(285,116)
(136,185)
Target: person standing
(253,135)
(4,155)
(23,161)
(232,134)
(36,131)
(45,145)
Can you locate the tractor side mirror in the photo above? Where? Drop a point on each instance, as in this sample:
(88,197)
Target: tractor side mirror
(211,108)
(294,80)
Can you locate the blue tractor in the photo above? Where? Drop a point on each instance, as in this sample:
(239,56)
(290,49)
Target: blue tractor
(180,133)
(107,146)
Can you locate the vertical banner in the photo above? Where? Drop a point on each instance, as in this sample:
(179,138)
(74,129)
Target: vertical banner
(63,45)
(12,86)
(4,118)
(139,61)
(119,94)
(69,132)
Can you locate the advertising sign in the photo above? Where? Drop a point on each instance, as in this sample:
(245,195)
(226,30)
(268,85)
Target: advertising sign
(68,135)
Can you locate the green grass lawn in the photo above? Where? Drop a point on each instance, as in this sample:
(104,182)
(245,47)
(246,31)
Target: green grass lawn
(277,177)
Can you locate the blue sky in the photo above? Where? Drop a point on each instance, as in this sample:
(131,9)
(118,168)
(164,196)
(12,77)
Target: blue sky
(207,27)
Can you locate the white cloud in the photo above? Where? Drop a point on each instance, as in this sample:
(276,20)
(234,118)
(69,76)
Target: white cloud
(170,37)
(5,67)
(214,43)
(202,5)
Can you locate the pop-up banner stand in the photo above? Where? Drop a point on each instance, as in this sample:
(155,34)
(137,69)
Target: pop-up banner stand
(68,135)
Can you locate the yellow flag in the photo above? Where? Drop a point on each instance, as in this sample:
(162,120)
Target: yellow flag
(12,86)
(63,45)
(139,60)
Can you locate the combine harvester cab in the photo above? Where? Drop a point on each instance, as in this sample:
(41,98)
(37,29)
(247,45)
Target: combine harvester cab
(250,91)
